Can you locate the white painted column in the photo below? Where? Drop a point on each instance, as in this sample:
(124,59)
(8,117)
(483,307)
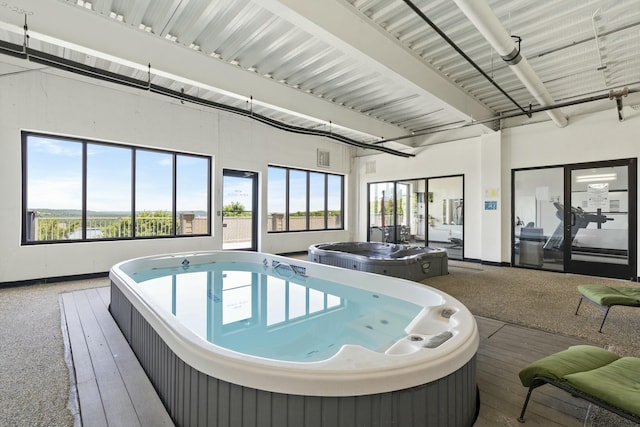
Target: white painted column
(490,165)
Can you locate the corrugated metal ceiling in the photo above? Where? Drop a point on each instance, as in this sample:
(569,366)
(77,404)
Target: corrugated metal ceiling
(577,47)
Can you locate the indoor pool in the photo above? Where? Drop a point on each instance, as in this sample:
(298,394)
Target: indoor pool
(224,334)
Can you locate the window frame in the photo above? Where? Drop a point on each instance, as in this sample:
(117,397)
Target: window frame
(327,193)
(84,143)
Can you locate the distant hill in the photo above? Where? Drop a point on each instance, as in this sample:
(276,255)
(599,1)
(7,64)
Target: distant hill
(76,213)
(59,213)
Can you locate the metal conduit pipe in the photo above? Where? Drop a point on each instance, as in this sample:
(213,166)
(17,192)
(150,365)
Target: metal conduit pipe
(481,15)
(24,52)
(460,125)
(446,38)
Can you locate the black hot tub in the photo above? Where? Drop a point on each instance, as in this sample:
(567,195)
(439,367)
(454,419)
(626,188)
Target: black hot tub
(404,261)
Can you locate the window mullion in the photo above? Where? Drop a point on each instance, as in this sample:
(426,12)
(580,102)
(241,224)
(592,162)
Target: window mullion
(287,195)
(326,201)
(133,193)
(83,215)
(174,190)
(308,201)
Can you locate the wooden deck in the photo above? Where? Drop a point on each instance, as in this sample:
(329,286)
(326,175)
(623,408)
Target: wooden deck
(504,350)
(113,390)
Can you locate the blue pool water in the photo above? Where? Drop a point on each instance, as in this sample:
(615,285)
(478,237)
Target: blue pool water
(275,313)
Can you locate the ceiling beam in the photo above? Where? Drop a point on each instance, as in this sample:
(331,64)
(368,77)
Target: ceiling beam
(69,23)
(337,23)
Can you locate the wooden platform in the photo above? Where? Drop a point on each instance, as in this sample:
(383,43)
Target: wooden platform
(504,350)
(113,390)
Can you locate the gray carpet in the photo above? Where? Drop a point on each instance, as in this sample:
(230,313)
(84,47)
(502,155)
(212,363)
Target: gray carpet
(34,378)
(541,300)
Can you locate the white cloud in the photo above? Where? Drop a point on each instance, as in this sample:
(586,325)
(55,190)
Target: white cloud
(61,193)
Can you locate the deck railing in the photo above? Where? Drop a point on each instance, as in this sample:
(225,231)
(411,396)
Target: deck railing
(276,222)
(237,228)
(70,228)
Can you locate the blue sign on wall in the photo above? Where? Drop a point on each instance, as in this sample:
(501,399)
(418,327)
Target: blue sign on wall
(490,205)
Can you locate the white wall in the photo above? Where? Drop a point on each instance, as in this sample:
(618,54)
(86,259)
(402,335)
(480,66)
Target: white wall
(491,192)
(461,157)
(53,102)
(590,137)
(249,145)
(486,163)
(57,103)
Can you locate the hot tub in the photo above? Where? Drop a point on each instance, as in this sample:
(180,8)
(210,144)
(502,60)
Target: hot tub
(252,339)
(405,261)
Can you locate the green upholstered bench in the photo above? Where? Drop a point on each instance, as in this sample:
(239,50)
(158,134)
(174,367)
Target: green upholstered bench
(591,373)
(605,297)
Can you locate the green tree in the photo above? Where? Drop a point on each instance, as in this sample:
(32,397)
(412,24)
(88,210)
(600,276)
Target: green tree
(56,229)
(158,223)
(234,209)
(148,223)
(118,228)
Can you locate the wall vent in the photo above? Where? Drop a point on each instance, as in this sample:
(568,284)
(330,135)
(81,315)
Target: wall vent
(370,167)
(324,159)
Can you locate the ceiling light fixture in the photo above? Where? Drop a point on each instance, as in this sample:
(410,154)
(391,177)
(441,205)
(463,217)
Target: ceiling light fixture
(597,177)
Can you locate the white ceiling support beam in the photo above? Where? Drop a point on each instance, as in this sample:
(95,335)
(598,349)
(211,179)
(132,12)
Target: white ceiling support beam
(105,37)
(338,24)
(481,15)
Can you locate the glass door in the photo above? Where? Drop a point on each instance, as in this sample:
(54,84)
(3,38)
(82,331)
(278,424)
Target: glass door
(445,215)
(423,212)
(239,200)
(600,223)
(396,212)
(577,218)
(381,212)
(410,210)
(538,212)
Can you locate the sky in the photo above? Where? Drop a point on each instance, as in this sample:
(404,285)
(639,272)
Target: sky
(55,177)
(54,180)
(238,189)
(297,191)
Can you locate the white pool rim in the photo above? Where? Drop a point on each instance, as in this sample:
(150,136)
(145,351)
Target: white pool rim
(352,371)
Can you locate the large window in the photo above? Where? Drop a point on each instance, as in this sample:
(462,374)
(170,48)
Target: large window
(300,200)
(426,211)
(77,190)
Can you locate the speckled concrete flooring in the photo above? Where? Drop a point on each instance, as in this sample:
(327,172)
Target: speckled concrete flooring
(34,378)
(542,300)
